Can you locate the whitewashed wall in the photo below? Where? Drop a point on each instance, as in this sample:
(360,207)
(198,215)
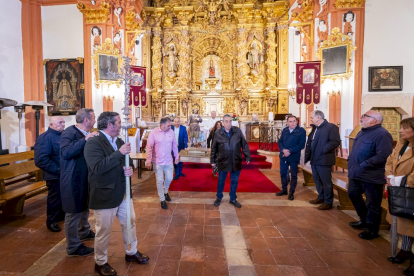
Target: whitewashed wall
(388,42)
(62,34)
(11,70)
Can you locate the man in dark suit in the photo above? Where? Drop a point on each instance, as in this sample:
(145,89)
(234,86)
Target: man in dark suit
(47,158)
(182,140)
(291,142)
(105,158)
(226,153)
(320,151)
(74,183)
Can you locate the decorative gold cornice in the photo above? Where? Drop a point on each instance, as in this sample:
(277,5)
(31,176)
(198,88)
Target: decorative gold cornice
(304,13)
(349,3)
(99,15)
(131,23)
(80,59)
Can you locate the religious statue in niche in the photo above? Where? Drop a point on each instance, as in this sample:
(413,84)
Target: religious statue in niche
(348,19)
(194,122)
(255,57)
(118,12)
(118,41)
(173,62)
(211,70)
(64,86)
(323,21)
(96,37)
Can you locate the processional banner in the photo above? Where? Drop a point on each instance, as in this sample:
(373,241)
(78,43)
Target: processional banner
(308,82)
(139,86)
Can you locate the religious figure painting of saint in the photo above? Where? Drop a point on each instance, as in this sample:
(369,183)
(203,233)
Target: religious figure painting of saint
(65,86)
(385,78)
(308,75)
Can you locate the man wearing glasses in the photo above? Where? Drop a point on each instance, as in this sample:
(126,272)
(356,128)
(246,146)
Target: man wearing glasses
(366,170)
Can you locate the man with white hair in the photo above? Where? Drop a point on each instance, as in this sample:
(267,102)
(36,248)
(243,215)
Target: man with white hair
(47,158)
(211,121)
(320,151)
(366,170)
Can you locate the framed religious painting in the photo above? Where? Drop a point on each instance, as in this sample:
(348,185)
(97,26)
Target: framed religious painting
(335,54)
(65,88)
(385,78)
(107,63)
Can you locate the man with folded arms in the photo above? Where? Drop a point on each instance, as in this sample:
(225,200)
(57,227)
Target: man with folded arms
(105,158)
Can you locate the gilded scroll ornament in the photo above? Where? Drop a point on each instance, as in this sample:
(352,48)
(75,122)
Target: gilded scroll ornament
(242,67)
(303,12)
(184,55)
(283,102)
(271,57)
(92,16)
(156,58)
(349,3)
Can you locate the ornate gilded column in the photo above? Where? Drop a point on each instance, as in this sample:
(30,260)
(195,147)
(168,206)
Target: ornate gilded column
(156,48)
(283,67)
(184,58)
(241,66)
(270,55)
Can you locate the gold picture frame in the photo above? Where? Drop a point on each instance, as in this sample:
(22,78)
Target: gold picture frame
(106,59)
(335,54)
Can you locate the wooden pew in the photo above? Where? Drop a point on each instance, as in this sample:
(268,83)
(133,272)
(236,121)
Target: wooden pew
(19,165)
(307,175)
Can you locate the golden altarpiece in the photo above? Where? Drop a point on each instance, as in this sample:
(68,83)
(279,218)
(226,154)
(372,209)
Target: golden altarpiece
(231,57)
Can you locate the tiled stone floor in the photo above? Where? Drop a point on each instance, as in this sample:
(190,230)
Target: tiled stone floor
(269,235)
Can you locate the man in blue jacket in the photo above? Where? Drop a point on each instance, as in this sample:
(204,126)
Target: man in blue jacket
(47,158)
(291,142)
(320,151)
(182,140)
(74,183)
(366,171)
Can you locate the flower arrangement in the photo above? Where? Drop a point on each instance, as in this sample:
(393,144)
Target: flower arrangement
(235,117)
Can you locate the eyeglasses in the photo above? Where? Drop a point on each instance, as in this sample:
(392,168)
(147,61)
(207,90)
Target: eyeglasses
(365,115)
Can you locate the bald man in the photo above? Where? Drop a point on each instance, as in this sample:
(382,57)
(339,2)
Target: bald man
(366,173)
(47,158)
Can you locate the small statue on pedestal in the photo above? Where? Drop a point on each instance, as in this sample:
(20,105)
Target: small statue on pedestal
(194,122)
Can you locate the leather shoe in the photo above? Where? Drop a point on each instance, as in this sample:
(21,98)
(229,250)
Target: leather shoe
(368,235)
(167,197)
(357,224)
(325,206)
(54,227)
(410,270)
(105,270)
(316,201)
(181,174)
(235,203)
(137,257)
(82,251)
(291,197)
(282,192)
(164,205)
(401,257)
(217,202)
(176,177)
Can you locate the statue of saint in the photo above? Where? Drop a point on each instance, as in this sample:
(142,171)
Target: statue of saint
(254,57)
(64,88)
(211,70)
(194,122)
(172,60)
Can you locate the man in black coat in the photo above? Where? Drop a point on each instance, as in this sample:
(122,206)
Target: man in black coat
(47,158)
(105,158)
(74,183)
(366,171)
(320,151)
(291,143)
(226,154)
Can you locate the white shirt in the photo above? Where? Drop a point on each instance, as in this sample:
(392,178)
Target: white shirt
(177,133)
(210,123)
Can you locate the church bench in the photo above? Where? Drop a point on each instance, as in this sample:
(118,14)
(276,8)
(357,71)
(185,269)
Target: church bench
(14,167)
(307,175)
(271,157)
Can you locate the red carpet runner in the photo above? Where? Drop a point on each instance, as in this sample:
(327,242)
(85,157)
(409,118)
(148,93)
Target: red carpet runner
(199,178)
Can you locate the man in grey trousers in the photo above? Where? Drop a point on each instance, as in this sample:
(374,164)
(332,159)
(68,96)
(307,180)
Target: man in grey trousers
(74,183)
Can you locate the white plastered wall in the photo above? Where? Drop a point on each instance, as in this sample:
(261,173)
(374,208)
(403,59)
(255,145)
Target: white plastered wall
(62,35)
(11,71)
(388,42)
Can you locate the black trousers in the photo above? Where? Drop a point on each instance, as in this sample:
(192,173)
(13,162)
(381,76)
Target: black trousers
(322,175)
(369,211)
(54,202)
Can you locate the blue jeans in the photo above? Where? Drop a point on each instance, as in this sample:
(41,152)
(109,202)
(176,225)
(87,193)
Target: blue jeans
(284,175)
(234,181)
(178,168)
(322,175)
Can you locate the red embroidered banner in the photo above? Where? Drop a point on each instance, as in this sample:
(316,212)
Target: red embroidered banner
(139,86)
(308,80)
